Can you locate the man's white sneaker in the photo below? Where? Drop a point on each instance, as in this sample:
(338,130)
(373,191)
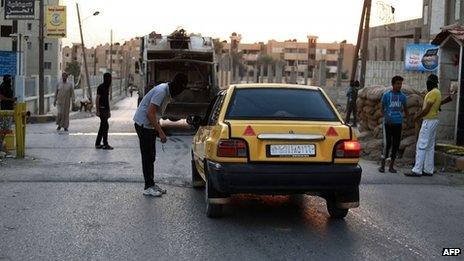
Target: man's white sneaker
(160,189)
(151,191)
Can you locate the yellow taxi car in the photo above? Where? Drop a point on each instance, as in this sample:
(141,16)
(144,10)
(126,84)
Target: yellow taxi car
(275,139)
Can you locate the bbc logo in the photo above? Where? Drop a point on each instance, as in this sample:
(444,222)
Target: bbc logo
(451,252)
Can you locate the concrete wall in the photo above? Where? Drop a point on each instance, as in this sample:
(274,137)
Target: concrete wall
(379,73)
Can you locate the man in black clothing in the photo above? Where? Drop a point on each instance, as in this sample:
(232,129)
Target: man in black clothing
(7,98)
(102,104)
(352,96)
(7,101)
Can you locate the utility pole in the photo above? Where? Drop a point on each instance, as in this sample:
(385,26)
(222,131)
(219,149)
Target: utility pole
(362,78)
(358,43)
(341,54)
(41,58)
(84,55)
(111,64)
(95,61)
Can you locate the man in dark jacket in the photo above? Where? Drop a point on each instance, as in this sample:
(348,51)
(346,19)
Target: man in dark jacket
(352,96)
(102,104)
(7,98)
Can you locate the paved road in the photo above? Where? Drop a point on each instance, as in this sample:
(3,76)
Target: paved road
(70,201)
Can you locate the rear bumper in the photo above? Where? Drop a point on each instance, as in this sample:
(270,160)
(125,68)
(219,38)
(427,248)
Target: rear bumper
(282,179)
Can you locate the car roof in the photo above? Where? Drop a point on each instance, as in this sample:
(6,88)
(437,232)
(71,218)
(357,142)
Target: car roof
(275,85)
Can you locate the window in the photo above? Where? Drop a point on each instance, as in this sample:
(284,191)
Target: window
(332,51)
(280,104)
(47,65)
(6,30)
(29,26)
(426,15)
(332,63)
(47,46)
(457,10)
(216,110)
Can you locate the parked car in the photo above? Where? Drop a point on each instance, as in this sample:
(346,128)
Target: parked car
(275,139)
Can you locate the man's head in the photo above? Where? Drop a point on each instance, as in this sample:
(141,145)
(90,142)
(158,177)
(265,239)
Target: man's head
(107,79)
(432,82)
(7,79)
(397,83)
(354,84)
(178,84)
(64,76)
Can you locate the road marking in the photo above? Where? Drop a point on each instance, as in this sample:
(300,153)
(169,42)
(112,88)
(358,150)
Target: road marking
(109,134)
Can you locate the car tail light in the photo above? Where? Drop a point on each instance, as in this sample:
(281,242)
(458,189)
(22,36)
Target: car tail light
(347,149)
(232,148)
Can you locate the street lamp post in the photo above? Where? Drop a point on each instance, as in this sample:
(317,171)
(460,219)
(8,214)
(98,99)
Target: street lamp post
(83,52)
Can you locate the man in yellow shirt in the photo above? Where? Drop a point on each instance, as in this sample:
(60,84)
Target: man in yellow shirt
(425,148)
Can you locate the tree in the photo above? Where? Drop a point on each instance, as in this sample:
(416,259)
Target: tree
(73,68)
(218,46)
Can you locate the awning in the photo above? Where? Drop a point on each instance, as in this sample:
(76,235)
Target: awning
(455,30)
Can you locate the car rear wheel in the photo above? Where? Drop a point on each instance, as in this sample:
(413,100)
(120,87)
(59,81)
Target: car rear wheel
(197,180)
(334,211)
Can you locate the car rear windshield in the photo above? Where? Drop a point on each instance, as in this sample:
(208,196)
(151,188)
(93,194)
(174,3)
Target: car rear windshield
(280,104)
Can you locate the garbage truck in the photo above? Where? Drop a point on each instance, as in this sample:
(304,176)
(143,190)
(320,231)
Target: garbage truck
(163,56)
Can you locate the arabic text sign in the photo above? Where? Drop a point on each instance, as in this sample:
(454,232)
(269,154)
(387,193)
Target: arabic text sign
(7,63)
(421,57)
(19,9)
(56,22)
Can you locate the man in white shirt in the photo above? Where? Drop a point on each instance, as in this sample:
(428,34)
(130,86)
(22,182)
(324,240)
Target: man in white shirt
(147,126)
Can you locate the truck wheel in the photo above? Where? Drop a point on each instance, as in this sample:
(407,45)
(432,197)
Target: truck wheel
(197,180)
(334,211)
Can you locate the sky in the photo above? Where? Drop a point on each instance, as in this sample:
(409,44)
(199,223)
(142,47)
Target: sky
(255,20)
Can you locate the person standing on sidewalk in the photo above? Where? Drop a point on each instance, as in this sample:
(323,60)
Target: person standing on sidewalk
(352,95)
(425,148)
(394,103)
(102,105)
(147,126)
(63,96)
(7,101)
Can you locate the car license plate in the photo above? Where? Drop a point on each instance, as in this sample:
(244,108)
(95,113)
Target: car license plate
(292,150)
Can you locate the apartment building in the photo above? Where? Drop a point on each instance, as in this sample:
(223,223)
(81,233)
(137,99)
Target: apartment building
(124,58)
(28,30)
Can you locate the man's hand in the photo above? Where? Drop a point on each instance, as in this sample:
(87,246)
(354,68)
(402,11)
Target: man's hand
(163,137)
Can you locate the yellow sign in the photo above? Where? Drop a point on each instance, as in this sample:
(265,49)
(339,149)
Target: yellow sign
(55,24)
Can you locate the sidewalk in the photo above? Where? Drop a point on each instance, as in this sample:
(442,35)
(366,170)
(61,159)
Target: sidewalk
(51,115)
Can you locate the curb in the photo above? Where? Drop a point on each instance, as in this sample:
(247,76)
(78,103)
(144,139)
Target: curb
(37,119)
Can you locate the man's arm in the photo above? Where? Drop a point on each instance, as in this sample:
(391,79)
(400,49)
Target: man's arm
(424,111)
(151,114)
(406,111)
(97,105)
(446,100)
(56,95)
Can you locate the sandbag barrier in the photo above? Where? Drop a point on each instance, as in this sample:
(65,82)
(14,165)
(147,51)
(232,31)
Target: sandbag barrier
(370,118)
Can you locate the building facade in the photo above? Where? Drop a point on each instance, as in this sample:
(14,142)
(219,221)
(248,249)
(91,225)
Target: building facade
(28,31)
